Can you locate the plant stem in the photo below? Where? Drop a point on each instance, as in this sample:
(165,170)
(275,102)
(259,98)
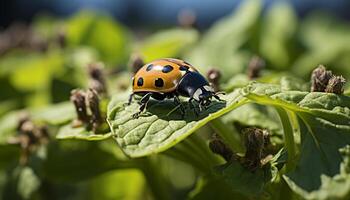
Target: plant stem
(288,137)
(154,176)
(200,144)
(182,153)
(229,134)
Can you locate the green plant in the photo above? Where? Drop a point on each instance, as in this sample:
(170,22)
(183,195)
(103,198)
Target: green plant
(275,136)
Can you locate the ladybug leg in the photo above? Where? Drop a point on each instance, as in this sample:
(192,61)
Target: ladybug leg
(190,103)
(130,98)
(178,102)
(215,95)
(143,103)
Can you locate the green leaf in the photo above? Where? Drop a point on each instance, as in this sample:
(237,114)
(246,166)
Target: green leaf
(101,32)
(8,155)
(324,123)
(243,181)
(213,188)
(277,35)
(28,182)
(336,187)
(130,183)
(55,114)
(158,129)
(220,46)
(167,44)
(77,160)
(327,41)
(68,132)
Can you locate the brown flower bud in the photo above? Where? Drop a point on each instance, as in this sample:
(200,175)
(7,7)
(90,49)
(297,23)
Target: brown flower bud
(213,77)
(97,78)
(319,79)
(94,105)
(187,18)
(256,64)
(61,38)
(135,62)
(78,99)
(255,140)
(336,85)
(217,146)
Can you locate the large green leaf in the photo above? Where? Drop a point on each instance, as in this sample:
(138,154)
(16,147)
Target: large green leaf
(336,187)
(324,123)
(159,128)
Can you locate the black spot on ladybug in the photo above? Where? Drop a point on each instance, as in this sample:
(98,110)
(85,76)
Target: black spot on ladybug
(140,82)
(167,68)
(159,82)
(149,67)
(184,68)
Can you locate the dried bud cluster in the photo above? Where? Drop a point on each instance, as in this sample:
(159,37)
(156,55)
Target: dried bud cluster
(97,78)
(255,66)
(187,18)
(85,102)
(218,146)
(336,85)
(21,36)
(30,137)
(213,77)
(255,140)
(136,62)
(94,105)
(323,80)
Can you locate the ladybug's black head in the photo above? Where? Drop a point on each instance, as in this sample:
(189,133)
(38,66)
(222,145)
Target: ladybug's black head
(203,95)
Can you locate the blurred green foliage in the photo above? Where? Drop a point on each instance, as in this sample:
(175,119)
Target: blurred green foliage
(38,82)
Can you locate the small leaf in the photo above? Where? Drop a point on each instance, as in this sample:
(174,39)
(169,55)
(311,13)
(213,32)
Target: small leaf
(101,32)
(55,114)
(243,181)
(220,46)
(68,132)
(28,182)
(167,44)
(277,36)
(130,182)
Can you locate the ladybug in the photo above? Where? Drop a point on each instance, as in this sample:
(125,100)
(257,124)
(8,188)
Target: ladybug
(171,78)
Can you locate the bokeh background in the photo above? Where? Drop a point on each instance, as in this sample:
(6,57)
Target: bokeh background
(46,47)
